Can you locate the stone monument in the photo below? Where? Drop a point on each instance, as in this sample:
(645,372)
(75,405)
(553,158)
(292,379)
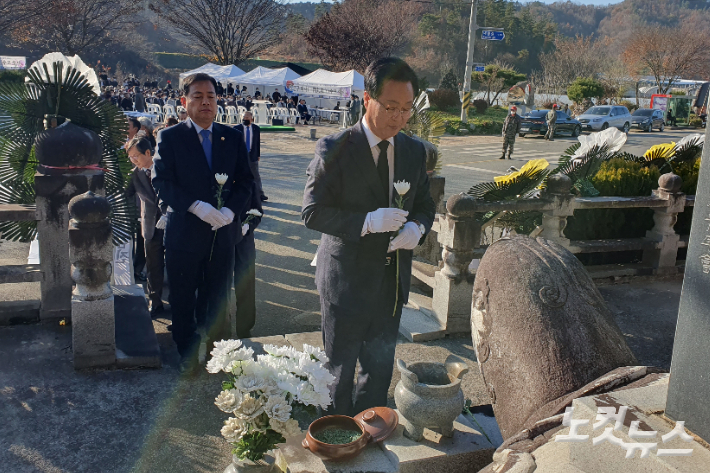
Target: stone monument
(540,328)
(689,384)
(92,303)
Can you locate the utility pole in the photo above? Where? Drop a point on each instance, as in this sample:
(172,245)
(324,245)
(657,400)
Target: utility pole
(466,99)
(472,28)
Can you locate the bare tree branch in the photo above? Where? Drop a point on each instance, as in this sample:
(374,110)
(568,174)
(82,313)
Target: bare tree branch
(232,30)
(356,32)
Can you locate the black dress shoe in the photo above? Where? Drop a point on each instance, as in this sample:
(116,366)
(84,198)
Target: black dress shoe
(264,198)
(156,310)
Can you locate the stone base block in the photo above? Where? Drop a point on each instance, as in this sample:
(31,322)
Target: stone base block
(452,303)
(419,327)
(299,460)
(467,451)
(93,333)
(136,342)
(297,340)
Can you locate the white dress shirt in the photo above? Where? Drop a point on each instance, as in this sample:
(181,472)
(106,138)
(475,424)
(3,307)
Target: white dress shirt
(373,141)
(191,124)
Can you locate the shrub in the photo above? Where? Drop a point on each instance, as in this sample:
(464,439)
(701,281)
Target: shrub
(449,81)
(687,171)
(444,98)
(584,88)
(16,77)
(694,120)
(481,105)
(629,104)
(621,179)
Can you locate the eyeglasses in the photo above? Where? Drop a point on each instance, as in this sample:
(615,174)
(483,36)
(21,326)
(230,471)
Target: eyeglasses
(396,112)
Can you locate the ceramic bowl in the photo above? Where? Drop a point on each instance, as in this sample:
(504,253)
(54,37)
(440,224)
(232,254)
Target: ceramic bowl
(330,452)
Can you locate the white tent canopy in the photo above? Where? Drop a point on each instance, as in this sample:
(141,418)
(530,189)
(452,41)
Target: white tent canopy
(222,74)
(268,77)
(326,84)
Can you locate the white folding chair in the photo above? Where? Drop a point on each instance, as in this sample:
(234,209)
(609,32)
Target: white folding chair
(232,115)
(221,116)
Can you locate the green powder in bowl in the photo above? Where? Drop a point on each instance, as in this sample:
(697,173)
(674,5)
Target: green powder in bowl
(337,436)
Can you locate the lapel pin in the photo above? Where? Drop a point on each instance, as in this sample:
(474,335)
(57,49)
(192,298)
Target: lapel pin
(223,138)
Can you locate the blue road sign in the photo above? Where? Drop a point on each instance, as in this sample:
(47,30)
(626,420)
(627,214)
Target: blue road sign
(492,35)
(479,69)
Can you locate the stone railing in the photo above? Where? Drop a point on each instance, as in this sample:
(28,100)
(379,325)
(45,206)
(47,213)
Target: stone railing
(460,235)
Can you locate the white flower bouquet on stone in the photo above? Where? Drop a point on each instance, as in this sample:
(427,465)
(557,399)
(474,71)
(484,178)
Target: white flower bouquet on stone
(260,394)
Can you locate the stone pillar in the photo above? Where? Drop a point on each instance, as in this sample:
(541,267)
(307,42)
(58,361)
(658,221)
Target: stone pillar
(663,258)
(430,250)
(90,254)
(460,237)
(66,155)
(554,221)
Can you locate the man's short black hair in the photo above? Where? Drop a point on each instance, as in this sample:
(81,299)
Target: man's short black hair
(388,68)
(134,121)
(199,77)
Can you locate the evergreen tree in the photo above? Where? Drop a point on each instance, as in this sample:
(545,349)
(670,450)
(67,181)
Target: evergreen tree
(449,81)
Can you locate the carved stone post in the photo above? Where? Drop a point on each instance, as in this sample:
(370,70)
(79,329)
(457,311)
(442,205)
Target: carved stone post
(66,155)
(663,258)
(554,221)
(430,250)
(90,253)
(460,237)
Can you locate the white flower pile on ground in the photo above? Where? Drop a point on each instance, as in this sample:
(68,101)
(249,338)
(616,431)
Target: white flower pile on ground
(260,394)
(611,137)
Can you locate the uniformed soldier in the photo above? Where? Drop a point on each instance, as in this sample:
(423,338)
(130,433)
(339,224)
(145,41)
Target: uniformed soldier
(511,127)
(551,123)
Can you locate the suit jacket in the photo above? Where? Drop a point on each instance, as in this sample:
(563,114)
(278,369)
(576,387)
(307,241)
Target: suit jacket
(255,151)
(342,187)
(182,176)
(150,209)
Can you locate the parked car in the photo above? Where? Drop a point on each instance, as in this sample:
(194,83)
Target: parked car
(602,117)
(647,119)
(534,123)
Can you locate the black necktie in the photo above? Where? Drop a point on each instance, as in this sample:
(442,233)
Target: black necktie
(383,168)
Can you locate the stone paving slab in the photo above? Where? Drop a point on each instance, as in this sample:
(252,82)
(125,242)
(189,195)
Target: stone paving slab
(297,340)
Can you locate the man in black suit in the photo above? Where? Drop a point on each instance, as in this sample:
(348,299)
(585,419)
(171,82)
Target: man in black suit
(349,198)
(303,112)
(252,140)
(153,221)
(199,238)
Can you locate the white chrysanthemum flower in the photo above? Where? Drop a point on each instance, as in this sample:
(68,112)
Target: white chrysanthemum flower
(287,429)
(278,408)
(254,212)
(274,350)
(221,178)
(225,346)
(306,395)
(228,400)
(249,408)
(611,137)
(234,429)
(402,187)
(316,353)
(248,383)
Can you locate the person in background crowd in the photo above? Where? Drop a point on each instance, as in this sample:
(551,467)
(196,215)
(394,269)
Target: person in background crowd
(182,115)
(230,89)
(220,89)
(244,90)
(291,103)
(257,94)
(127,103)
(107,96)
(551,120)
(139,101)
(231,101)
(153,219)
(252,139)
(354,110)
(220,101)
(134,126)
(303,113)
(169,86)
(511,128)
(248,104)
(147,127)
(337,106)
(245,271)
(565,108)
(276,95)
(170,121)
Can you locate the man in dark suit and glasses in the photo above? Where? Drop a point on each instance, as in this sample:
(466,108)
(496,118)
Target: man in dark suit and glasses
(252,140)
(348,198)
(140,152)
(187,158)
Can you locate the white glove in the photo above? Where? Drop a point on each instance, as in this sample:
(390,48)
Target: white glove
(162,223)
(408,238)
(245,229)
(228,214)
(384,220)
(205,212)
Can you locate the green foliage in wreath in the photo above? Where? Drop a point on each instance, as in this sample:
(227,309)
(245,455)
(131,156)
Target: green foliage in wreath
(64,92)
(254,445)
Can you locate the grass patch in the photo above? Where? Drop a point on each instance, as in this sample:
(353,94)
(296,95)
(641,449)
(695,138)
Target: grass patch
(489,122)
